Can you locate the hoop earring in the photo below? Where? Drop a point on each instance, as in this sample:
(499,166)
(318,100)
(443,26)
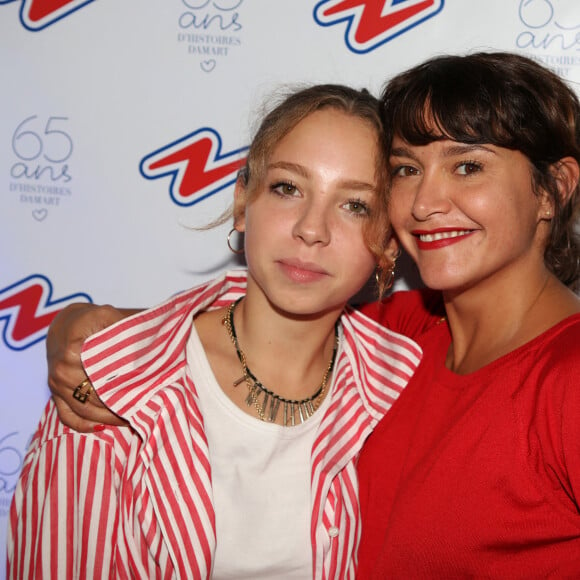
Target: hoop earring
(388,283)
(229,242)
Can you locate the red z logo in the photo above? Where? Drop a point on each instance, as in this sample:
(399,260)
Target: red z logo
(38,14)
(27,310)
(197,167)
(371,23)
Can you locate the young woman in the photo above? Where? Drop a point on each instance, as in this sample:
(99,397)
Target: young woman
(248,398)
(476,470)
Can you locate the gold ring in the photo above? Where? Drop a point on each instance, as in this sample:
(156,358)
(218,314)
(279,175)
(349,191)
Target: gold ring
(82,392)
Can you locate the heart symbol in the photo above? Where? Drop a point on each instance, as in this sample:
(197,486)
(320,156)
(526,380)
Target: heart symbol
(39,214)
(207,65)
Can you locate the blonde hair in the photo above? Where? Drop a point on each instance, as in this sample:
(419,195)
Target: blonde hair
(290,110)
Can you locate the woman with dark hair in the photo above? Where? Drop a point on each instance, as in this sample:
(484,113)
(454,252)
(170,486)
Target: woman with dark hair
(476,471)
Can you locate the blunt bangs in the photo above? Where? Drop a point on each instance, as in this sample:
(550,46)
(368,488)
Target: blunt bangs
(506,100)
(451,99)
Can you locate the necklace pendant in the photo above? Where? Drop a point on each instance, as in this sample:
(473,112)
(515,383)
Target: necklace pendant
(294,411)
(238,381)
(301,413)
(265,401)
(274,406)
(251,395)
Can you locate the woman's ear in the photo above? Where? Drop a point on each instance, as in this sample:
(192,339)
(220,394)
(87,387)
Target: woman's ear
(566,172)
(392,250)
(240,201)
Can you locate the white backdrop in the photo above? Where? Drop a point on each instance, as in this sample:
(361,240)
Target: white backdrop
(122,123)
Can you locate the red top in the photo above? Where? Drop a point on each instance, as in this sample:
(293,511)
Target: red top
(475,475)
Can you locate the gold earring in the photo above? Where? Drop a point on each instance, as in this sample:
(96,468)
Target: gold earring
(229,241)
(391,273)
(388,282)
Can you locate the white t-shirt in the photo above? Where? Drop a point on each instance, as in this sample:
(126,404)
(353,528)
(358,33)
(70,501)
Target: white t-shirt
(260,480)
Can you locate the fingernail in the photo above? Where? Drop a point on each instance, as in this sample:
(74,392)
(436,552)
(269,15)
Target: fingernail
(98,428)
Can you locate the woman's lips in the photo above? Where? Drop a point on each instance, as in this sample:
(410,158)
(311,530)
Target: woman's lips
(302,272)
(435,239)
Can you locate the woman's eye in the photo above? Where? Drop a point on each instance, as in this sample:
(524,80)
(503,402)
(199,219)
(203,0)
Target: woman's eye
(357,207)
(468,167)
(285,189)
(404,171)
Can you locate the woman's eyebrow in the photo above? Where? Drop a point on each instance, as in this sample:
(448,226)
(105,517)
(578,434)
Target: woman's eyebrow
(295,167)
(401,152)
(462,148)
(451,150)
(303,171)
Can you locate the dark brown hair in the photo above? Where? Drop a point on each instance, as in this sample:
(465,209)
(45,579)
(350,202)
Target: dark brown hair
(506,100)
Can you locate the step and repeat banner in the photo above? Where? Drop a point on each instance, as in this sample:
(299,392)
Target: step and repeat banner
(123,124)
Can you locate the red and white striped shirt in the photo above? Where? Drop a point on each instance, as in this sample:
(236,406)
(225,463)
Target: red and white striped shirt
(124,503)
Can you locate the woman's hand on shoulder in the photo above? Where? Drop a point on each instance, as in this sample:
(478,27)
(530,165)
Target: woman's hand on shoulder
(66,335)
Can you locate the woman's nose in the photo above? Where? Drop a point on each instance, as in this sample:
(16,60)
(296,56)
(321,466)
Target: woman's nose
(431,197)
(312,225)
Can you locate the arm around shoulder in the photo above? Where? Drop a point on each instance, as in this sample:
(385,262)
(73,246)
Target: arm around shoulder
(66,335)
